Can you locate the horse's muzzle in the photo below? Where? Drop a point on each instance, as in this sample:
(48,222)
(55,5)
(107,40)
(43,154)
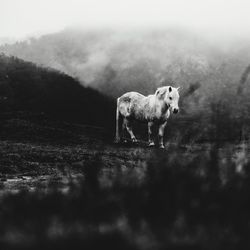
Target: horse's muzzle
(175,111)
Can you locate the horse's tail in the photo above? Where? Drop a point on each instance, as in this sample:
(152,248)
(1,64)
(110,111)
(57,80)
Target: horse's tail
(117,135)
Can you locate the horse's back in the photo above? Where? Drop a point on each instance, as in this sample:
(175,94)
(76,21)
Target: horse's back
(131,104)
(131,96)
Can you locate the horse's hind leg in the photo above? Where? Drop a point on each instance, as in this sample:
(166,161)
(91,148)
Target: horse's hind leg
(124,130)
(129,129)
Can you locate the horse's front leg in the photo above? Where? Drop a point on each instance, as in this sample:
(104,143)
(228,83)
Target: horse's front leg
(161,134)
(150,140)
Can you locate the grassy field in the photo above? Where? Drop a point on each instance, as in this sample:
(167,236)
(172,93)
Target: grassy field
(68,186)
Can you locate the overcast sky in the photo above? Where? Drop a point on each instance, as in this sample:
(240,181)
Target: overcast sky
(22,18)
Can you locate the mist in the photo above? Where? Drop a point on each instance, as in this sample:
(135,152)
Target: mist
(118,60)
(215,17)
(116,46)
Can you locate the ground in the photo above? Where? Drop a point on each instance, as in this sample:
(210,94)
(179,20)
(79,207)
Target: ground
(53,151)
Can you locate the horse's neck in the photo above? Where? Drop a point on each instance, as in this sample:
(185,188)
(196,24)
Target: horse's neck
(164,108)
(161,108)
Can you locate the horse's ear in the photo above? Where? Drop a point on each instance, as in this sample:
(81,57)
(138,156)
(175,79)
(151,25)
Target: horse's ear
(160,92)
(178,88)
(170,89)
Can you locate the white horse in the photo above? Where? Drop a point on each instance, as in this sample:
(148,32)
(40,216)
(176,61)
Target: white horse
(153,109)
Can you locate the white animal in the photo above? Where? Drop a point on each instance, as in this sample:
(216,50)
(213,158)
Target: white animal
(153,109)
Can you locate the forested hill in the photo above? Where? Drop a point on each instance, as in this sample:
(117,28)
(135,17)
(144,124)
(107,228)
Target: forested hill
(116,61)
(26,87)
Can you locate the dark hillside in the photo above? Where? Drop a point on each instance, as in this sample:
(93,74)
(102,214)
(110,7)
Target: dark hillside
(26,87)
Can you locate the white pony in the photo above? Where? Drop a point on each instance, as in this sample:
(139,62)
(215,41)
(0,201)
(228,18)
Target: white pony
(153,109)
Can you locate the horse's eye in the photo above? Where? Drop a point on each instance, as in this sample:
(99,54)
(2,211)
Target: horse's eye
(170,97)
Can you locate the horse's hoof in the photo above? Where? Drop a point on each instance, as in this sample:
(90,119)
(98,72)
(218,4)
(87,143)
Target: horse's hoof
(151,144)
(162,146)
(116,141)
(134,141)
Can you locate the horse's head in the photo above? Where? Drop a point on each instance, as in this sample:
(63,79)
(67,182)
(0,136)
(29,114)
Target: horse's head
(170,96)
